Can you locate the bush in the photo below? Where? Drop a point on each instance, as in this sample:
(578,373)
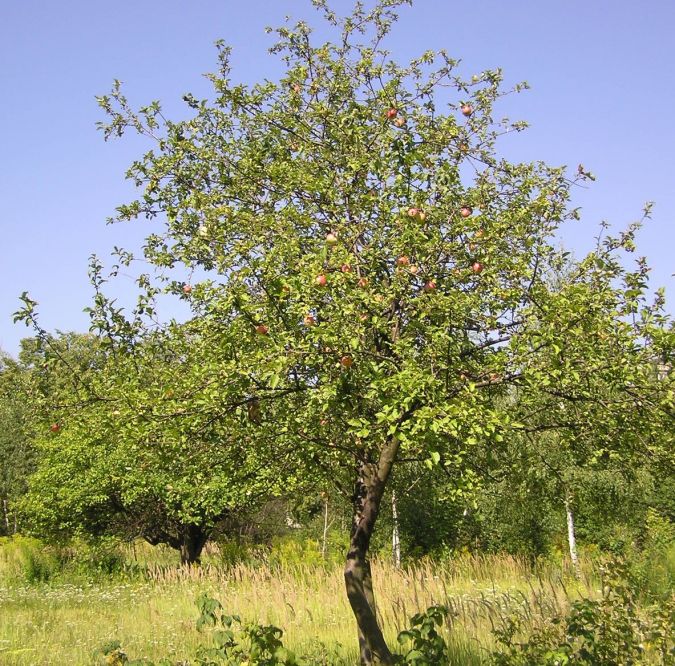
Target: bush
(28,560)
(609,631)
(292,551)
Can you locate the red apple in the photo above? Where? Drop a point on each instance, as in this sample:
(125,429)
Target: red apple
(363,282)
(346,268)
(187,288)
(414,269)
(391,113)
(466,211)
(413,212)
(346,361)
(321,280)
(296,88)
(261,329)
(309,320)
(403,261)
(399,122)
(430,285)
(463,147)
(466,109)
(55,427)
(477,267)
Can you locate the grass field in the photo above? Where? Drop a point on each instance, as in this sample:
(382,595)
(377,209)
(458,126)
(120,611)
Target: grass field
(154,615)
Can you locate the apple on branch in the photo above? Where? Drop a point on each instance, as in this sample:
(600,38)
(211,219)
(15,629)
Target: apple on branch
(346,361)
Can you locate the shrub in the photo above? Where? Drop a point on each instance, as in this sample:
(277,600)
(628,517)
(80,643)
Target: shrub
(609,630)
(28,560)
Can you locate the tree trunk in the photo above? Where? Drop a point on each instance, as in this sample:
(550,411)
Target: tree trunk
(324,542)
(193,538)
(369,488)
(395,535)
(6,512)
(571,537)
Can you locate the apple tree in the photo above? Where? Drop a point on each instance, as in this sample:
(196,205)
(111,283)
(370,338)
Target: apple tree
(379,263)
(152,441)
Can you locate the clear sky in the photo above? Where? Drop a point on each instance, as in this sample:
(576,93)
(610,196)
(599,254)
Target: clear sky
(603,94)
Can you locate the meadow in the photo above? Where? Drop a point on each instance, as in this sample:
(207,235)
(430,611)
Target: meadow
(149,606)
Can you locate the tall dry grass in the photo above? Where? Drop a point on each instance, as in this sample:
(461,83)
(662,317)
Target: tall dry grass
(154,617)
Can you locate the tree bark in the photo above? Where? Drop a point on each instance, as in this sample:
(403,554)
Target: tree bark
(368,491)
(571,537)
(193,538)
(324,542)
(395,534)
(6,512)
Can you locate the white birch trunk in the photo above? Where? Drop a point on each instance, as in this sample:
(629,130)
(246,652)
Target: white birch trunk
(6,512)
(571,537)
(395,537)
(325,528)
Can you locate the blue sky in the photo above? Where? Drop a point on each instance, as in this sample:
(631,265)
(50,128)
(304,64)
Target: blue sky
(603,91)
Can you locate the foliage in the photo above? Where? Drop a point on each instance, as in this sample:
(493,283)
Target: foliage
(17,454)
(26,560)
(652,567)
(610,630)
(422,644)
(247,644)
(154,447)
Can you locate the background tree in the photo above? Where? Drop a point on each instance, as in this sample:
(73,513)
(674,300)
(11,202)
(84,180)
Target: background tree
(16,451)
(26,386)
(159,449)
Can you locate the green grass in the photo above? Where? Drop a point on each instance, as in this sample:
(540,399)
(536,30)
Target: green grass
(59,622)
(153,613)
